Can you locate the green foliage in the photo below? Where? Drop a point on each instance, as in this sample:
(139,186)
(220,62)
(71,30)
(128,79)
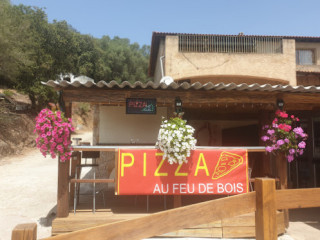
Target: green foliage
(83,110)
(123,61)
(33,50)
(12,52)
(8,93)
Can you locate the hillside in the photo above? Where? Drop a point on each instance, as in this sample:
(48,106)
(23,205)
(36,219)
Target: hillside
(16,127)
(16,133)
(16,123)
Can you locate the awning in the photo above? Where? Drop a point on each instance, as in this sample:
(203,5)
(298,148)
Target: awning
(184,86)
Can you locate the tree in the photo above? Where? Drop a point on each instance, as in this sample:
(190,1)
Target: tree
(123,61)
(33,50)
(40,60)
(12,58)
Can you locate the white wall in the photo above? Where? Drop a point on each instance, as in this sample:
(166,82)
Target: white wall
(117,127)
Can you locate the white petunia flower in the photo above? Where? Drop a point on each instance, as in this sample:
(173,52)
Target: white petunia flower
(175,140)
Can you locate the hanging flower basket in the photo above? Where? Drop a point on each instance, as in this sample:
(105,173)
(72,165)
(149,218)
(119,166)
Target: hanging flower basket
(53,131)
(176,140)
(284,135)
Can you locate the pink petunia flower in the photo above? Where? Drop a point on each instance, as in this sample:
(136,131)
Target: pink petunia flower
(290,158)
(302,144)
(269,149)
(280,142)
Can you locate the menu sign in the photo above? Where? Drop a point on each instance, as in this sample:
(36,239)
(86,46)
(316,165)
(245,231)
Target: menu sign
(141,106)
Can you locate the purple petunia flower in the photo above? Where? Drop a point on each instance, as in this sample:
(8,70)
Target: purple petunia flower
(280,142)
(265,127)
(265,138)
(270,132)
(298,130)
(290,158)
(303,135)
(302,144)
(269,149)
(286,140)
(292,151)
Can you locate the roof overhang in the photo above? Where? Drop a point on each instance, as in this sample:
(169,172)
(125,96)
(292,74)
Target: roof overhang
(194,95)
(184,86)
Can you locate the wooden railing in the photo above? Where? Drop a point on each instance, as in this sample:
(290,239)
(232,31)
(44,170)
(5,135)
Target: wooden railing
(264,201)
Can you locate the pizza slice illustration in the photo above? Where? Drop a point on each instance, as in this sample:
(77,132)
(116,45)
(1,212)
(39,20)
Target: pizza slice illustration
(227,163)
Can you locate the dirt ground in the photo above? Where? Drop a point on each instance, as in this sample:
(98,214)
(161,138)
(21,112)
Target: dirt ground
(28,192)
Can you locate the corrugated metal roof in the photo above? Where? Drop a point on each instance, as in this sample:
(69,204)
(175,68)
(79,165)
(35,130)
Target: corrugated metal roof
(186,86)
(236,35)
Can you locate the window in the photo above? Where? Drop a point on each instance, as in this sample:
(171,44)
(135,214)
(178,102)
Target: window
(304,57)
(230,44)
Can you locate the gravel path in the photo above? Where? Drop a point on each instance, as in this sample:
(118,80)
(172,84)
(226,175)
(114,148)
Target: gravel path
(28,193)
(28,190)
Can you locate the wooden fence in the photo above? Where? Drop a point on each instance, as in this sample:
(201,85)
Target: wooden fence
(264,201)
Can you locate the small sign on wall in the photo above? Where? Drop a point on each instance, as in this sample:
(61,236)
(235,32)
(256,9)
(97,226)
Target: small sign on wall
(141,106)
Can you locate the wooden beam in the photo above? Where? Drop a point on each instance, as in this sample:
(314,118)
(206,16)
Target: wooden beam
(282,172)
(266,223)
(169,221)
(302,98)
(75,160)
(298,198)
(119,96)
(112,148)
(27,231)
(96,95)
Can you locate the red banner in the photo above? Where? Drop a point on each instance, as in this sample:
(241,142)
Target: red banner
(143,172)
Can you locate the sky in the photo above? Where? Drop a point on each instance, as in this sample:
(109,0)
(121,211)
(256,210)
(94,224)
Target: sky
(137,19)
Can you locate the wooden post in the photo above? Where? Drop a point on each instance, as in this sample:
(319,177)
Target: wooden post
(75,160)
(63,180)
(177,201)
(27,231)
(96,122)
(282,172)
(116,175)
(63,189)
(264,162)
(266,219)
